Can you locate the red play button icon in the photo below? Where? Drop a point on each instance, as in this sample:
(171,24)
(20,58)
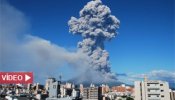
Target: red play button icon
(16,77)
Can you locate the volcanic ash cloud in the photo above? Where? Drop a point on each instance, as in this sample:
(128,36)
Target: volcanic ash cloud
(95,25)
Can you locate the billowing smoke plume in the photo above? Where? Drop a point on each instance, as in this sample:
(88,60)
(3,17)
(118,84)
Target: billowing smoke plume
(95,25)
(21,51)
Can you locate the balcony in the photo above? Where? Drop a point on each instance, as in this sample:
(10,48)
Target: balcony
(154,92)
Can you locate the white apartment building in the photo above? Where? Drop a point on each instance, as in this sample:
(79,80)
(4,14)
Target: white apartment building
(151,90)
(172,94)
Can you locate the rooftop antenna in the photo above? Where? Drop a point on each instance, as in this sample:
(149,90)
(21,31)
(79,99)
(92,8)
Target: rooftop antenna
(60,76)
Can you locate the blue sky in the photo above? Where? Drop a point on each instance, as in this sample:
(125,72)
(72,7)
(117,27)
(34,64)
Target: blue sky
(146,39)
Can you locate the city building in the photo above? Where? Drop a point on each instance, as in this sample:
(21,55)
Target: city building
(69,86)
(48,82)
(91,93)
(53,87)
(123,90)
(81,90)
(85,93)
(63,91)
(76,94)
(172,94)
(104,88)
(151,90)
(58,91)
(103,91)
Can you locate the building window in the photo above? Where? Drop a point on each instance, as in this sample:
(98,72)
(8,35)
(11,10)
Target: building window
(54,86)
(161,84)
(161,90)
(162,96)
(148,84)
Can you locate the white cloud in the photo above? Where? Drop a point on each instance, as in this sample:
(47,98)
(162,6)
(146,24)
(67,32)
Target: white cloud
(163,75)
